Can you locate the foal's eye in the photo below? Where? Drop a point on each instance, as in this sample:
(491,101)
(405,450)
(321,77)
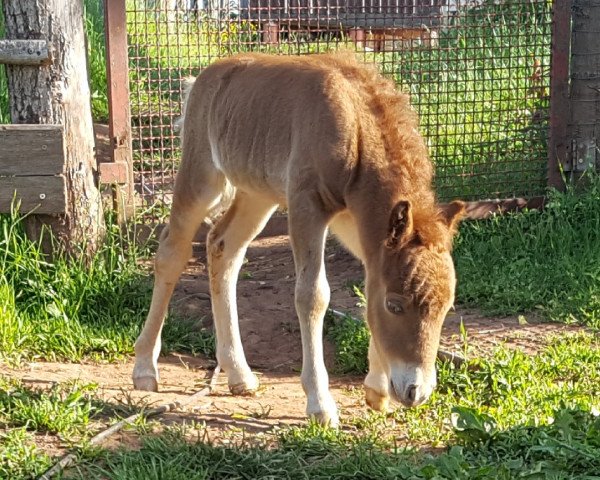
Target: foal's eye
(394,308)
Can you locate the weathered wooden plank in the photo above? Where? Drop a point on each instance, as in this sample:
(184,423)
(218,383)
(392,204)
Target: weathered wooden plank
(117,70)
(31,150)
(42,194)
(24,52)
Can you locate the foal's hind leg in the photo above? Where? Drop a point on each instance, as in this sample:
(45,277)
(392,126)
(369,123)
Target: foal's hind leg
(174,251)
(227,244)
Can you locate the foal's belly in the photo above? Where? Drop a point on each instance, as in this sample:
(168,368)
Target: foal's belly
(266,177)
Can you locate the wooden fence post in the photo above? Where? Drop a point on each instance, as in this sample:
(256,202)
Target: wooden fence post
(584,127)
(119,173)
(58,94)
(558,143)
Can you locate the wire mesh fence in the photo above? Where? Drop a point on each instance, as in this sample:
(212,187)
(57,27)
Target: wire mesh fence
(477,72)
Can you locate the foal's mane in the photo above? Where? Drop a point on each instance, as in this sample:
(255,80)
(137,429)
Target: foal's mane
(407,163)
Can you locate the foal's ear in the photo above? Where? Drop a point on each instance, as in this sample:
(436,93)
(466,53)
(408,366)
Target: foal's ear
(401,224)
(451,213)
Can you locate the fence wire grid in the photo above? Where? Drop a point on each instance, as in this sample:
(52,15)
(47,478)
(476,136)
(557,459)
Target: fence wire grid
(477,71)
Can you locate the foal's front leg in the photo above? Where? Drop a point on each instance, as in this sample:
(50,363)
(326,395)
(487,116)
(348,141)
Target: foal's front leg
(377,382)
(307,234)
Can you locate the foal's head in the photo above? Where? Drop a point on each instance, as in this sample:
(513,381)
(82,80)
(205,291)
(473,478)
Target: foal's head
(409,293)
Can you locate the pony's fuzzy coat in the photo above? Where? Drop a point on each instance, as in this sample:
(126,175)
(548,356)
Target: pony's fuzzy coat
(334,141)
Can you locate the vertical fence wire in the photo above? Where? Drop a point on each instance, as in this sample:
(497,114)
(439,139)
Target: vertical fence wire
(478,72)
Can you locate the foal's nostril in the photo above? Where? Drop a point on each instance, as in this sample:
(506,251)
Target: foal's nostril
(411,393)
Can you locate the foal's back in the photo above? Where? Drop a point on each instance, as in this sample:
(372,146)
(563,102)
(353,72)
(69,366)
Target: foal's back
(270,123)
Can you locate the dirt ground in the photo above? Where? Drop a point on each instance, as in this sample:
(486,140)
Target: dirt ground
(272,344)
(271,338)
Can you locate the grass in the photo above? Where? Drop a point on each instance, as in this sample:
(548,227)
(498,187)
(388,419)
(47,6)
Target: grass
(515,416)
(546,262)
(72,310)
(313,453)
(63,411)
(542,263)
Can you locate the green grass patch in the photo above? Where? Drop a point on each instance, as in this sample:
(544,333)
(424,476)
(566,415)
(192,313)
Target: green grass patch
(351,340)
(72,309)
(516,416)
(64,410)
(544,261)
(19,456)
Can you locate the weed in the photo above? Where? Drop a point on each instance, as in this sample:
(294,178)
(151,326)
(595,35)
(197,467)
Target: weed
(63,409)
(567,448)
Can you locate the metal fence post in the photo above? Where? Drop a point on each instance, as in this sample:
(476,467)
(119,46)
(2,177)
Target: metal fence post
(118,173)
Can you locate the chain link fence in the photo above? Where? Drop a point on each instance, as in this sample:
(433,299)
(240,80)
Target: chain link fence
(478,72)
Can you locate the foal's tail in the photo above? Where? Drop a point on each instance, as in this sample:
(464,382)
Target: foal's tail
(187,84)
(228,193)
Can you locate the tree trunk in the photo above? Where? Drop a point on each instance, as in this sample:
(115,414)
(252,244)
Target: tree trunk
(59,93)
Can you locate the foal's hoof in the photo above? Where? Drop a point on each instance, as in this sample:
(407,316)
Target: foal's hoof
(147,384)
(329,419)
(376,401)
(245,388)
(323,410)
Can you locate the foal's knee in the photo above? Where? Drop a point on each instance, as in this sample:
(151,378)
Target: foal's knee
(312,297)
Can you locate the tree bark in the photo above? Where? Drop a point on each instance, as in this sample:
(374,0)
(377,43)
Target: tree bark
(59,93)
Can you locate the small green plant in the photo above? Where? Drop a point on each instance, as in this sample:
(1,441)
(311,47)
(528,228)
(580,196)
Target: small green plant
(351,339)
(19,457)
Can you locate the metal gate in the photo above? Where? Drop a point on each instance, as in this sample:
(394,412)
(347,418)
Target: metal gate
(478,72)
